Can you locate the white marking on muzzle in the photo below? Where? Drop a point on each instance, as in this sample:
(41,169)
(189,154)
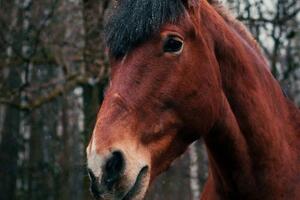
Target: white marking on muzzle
(95,163)
(94,160)
(93,146)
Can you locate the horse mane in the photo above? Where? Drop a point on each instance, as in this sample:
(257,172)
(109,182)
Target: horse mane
(133,21)
(228,17)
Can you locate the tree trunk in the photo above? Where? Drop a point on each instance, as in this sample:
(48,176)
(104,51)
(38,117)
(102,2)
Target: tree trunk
(94,60)
(9,146)
(194,172)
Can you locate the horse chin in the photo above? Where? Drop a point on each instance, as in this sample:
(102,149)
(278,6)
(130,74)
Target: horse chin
(133,191)
(139,187)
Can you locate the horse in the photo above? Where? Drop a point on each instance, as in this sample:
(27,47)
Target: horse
(183,70)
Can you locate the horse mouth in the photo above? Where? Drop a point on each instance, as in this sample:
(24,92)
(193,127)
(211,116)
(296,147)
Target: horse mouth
(138,185)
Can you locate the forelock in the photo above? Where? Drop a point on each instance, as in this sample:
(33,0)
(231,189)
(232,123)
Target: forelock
(134,21)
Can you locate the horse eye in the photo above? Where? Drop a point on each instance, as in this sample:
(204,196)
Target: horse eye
(173,45)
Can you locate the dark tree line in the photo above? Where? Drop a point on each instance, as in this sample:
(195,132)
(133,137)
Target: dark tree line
(53,73)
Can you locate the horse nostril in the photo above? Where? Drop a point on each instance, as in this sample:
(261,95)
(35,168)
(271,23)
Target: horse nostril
(114,168)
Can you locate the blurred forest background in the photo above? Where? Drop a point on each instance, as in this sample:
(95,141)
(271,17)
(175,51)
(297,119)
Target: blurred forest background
(53,71)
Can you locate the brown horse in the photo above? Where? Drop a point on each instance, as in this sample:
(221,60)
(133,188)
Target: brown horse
(184,70)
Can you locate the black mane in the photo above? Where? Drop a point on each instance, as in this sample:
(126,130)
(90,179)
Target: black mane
(134,21)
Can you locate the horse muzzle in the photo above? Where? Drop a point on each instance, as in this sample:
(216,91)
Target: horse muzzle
(115,176)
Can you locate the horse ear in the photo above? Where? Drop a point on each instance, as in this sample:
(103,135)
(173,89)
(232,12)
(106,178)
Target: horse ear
(191,3)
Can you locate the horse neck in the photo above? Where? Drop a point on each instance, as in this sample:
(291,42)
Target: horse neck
(258,128)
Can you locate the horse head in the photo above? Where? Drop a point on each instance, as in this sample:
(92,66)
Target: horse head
(164,81)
